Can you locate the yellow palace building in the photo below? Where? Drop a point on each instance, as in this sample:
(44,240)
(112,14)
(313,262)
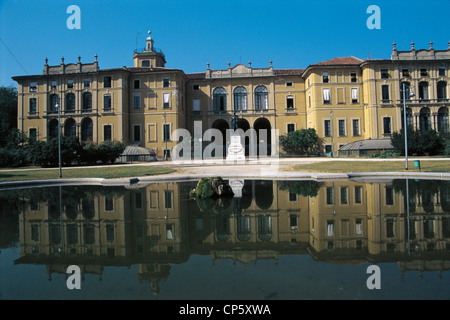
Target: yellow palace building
(353,104)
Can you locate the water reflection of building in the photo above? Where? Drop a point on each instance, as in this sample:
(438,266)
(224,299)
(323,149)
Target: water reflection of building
(156,225)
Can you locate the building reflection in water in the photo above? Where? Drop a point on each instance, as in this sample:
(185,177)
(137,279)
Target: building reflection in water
(157,225)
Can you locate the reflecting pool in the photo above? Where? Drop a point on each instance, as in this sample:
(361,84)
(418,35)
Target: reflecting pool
(275,239)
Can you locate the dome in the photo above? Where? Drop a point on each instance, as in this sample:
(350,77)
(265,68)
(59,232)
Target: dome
(136,153)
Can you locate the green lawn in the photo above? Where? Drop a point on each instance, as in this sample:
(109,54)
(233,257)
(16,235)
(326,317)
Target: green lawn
(374,166)
(93,172)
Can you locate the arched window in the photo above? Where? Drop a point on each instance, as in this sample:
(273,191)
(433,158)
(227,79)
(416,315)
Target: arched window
(70,128)
(261,98)
(86,129)
(219,99)
(87,102)
(264,227)
(53,128)
(240,98)
(425,119)
(53,103)
(244,229)
(443,119)
(442,90)
(407,90)
(70,102)
(423,90)
(409,118)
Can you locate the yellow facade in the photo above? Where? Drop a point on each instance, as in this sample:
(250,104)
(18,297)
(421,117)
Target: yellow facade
(344,99)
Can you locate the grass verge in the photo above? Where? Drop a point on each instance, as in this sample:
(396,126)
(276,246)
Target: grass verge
(374,166)
(93,172)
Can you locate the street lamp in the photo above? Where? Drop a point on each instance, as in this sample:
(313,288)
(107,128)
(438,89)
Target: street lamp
(165,136)
(59,135)
(405,129)
(331,127)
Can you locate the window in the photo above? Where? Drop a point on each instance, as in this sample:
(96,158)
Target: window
(325,77)
(33,86)
(137,101)
(290,102)
(293,221)
(196,87)
(87,83)
(168,199)
(355,125)
(441,71)
(389,195)
(327,128)
(358,228)
(309,100)
(109,232)
(166,82)
(219,99)
(34,232)
(87,102)
(261,98)
(166,132)
(109,203)
(290,127)
(289,84)
(107,102)
(53,102)
(70,84)
(328,149)
(424,119)
(107,82)
(196,105)
(107,132)
(137,133)
(423,72)
(166,100)
(354,95)
(406,91)
(405,72)
(146,63)
(32,134)
(443,119)
(358,194)
(341,124)
(240,98)
(384,73)
(423,90)
(389,227)
(330,228)
(385,93)
(53,85)
(344,199)
(137,84)
(353,77)
(326,96)
(70,102)
(442,90)
(33,106)
(329,191)
(387,125)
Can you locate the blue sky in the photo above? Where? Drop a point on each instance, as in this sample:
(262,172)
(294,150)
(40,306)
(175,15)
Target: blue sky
(291,33)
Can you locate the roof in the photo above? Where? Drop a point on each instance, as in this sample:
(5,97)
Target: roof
(289,72)
(135,150)
(340,61)
(196,76)
(369,144)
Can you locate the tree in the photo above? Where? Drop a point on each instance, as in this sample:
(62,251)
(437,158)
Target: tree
(303,141)
(8,112)
(420,143)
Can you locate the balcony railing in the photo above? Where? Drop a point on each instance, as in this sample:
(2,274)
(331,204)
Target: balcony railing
(424,101)
(144,50)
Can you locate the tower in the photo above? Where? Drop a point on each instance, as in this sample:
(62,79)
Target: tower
(149,56)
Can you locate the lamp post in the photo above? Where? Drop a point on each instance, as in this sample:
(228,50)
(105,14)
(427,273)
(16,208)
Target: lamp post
(331,128)
(165,136)
(59,135)
(405,129)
